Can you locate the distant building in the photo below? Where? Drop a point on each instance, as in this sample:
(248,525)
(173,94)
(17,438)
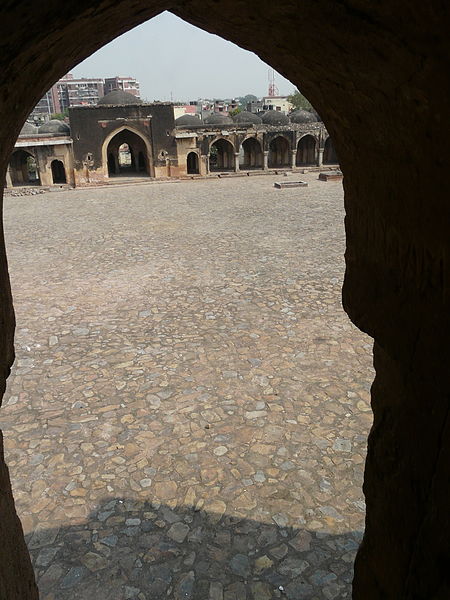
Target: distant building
(278,103)
(184,109)
(84,91)
(126,84)
(42,156)
(49,104)
(224,106)
(79,92)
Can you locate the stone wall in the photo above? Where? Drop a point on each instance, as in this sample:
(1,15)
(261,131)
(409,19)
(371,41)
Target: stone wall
(92,126)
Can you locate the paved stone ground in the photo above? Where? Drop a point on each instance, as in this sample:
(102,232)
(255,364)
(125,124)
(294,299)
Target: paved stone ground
(188,412)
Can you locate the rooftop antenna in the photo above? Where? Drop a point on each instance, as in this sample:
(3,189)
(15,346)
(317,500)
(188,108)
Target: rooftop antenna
(273,90)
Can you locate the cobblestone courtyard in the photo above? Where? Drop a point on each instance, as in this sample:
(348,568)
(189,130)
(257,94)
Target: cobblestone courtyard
(188,411)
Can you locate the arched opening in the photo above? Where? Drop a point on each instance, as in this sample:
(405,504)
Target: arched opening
(252,155)
(279,152)
(58,172)
(329,153)
(221,155)
(23,169)
(192,163)
(306,151)
(122,150)
(125,158)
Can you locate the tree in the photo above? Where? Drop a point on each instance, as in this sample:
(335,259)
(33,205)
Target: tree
(61,116)
(299,101)
(244,100)
(235,111)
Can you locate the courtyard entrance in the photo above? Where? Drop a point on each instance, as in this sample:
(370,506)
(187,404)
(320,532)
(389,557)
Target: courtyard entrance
(58,172)
(23,168)
(279,152)
(251,156)
(127,155)
(306,151)
(221,156)
(192,163)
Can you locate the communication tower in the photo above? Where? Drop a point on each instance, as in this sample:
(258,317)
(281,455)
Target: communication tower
(273,90)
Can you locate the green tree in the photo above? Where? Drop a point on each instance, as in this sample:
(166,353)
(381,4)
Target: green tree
(235,111)
(299,101)
(60,116)
(244,100)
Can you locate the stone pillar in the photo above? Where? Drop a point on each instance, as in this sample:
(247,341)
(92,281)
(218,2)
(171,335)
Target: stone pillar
(266,160)
(236,162)
(9,183)
(320,157)
(204,164)
(293,158)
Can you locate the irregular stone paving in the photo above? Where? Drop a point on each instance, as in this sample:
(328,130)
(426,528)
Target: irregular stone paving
(188,411)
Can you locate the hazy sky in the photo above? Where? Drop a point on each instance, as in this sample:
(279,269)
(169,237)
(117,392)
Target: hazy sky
(171,58)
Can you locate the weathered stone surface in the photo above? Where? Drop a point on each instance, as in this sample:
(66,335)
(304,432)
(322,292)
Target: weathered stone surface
(178,532)
(139,484)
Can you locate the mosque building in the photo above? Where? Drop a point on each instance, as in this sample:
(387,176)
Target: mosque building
(122,136)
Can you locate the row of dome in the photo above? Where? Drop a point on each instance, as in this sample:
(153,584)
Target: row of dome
(121,98)
(53,126)
(271,117)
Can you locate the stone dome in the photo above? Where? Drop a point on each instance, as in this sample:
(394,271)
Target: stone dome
(118,98)
(55,126)
(28,129)
(274,117)
(218,119)
(302,116)
(247,117)
(188,120)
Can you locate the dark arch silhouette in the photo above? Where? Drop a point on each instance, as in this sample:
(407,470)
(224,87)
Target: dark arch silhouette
(221,156)
(192,163)
(402,212)
(58,172)
(306,151)
(279,152)
(251,154)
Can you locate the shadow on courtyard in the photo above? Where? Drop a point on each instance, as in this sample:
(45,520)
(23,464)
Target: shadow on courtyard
(130,549)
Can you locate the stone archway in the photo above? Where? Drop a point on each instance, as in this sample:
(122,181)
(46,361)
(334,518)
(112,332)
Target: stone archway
(126,153)
(58,171)
(192,163)
(306,151)
(279,152)
(221,155)
(23,168)
(396,220)
(329,153)
(252,156)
